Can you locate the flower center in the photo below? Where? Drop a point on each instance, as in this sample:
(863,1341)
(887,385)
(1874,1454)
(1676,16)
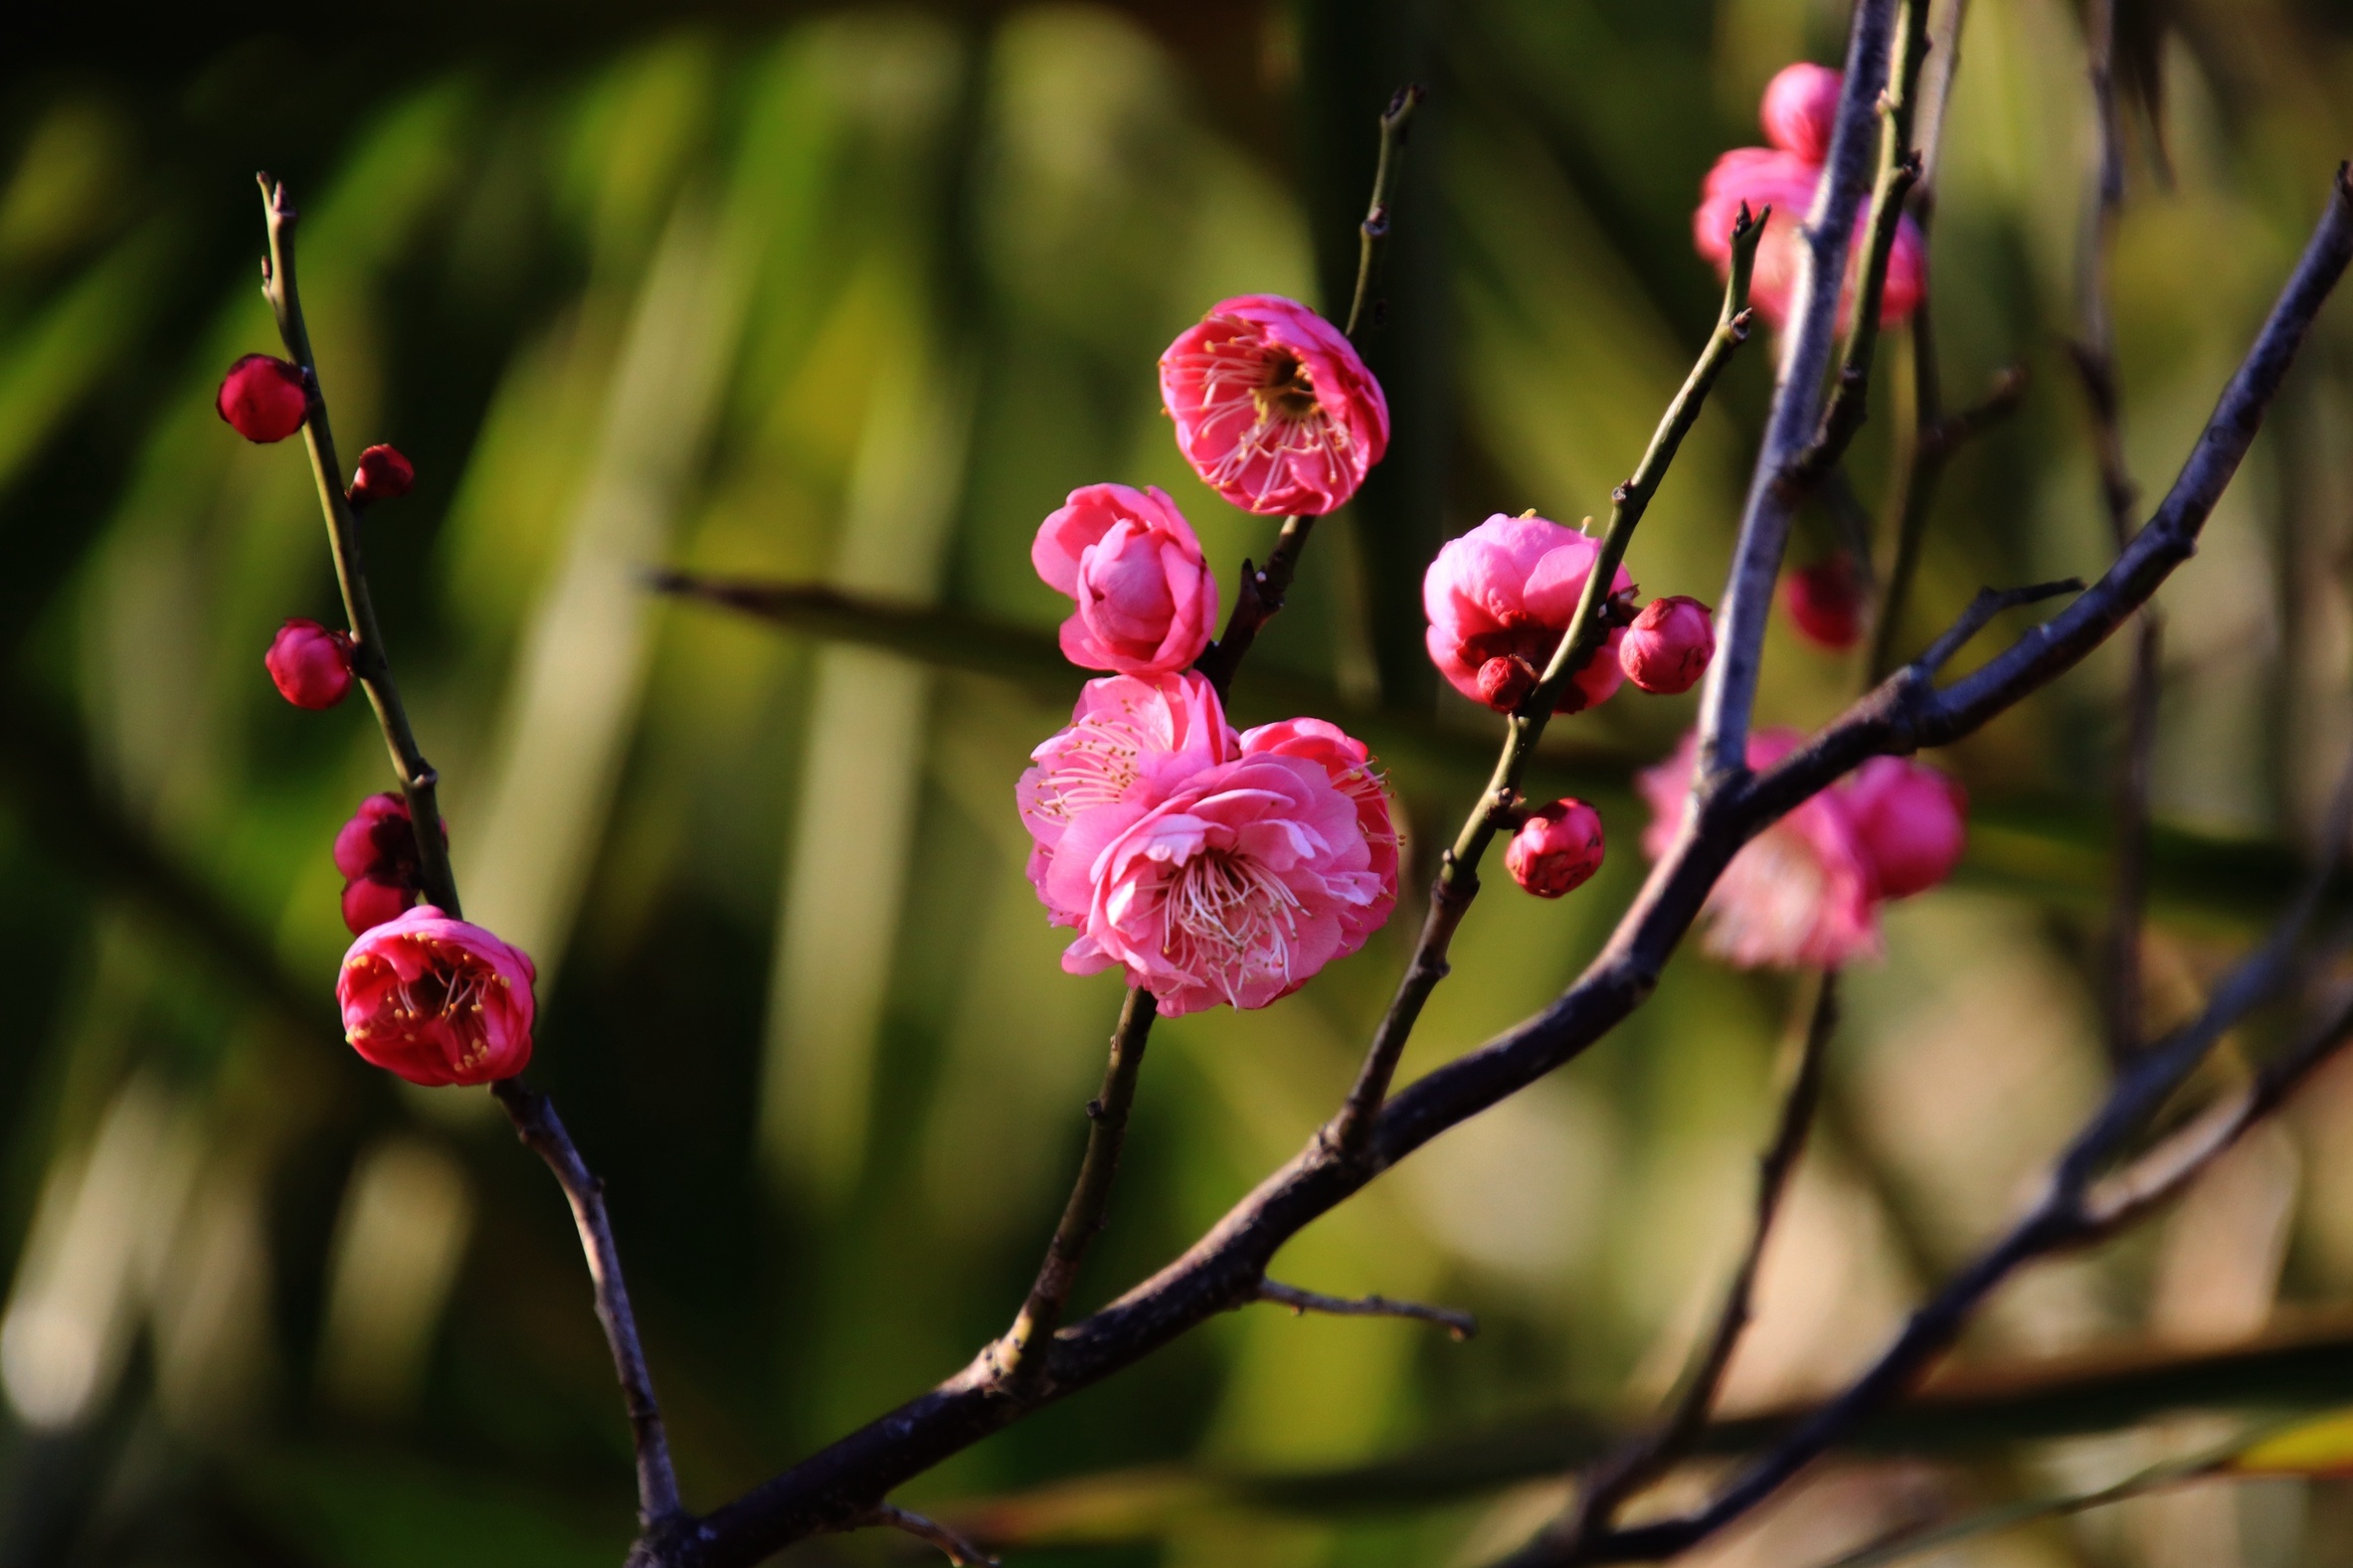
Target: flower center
(1287,394)
(1225,917)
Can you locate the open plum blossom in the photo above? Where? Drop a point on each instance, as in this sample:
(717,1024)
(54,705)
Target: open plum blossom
(1146,599)
(1499,598)
(1211,867)
(1806,892)
(1273,408)
(1130,738)
(437,1000)
(1347,763)
(1799,111)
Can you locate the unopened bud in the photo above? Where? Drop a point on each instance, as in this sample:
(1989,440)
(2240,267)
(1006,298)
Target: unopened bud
(1825,603)
(1668,647)
(263,398)
(1505,681)
(1557,849)
(383,474)
(369,903)
(310,664)
(377,853)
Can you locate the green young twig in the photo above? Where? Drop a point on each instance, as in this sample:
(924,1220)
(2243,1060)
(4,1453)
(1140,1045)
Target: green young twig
(1588,629)
(534,1117)
(1376,226)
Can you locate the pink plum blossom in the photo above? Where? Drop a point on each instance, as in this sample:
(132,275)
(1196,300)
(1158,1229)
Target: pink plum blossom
(1806,892)
(1146,599)
(437,1000)
(1668,647)
(1556,850)
(1130,738)
(1914,822)
(1802,893)
(1235,887)
(1273,408)
(1799,111)
(1499,598)
(1347,763)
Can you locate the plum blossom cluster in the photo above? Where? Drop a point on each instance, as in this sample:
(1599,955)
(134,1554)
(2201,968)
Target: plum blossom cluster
(422,994)
(1806,892)
(1799,111)
(1500,600)
(1208,866)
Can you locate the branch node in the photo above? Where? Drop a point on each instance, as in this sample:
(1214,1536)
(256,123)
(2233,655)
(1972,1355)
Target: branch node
(956,1549)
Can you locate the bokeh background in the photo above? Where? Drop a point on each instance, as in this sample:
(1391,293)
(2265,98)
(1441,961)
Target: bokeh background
(852,296)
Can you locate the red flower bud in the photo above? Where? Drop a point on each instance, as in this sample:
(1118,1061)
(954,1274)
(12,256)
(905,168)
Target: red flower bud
(383,475)
(1668,647)
(1504,681)
(263,398)
(369,903)
(310,664)
(1557,849)
(1825,603)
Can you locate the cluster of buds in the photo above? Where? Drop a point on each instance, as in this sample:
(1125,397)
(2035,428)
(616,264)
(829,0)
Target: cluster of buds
(423,996)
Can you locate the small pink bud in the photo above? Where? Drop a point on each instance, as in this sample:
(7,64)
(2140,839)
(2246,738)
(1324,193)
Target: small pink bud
(1825,603)
(437,1000)
(383,475)
(1668,647)
(263,398)
(1557,849)
(368,903)
(1504,683)
(310,664)
(1913,821)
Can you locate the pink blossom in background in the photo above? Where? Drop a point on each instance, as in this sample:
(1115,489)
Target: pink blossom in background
(1347,763)
(1237,887)
(1805,893)
(1499,598)
(1824,601)
(437,1000)
(1799,111)
(1273,408)
(1556,850)
(1146,599)
(1802,893)
(1130,738)
(1914,822)
(1668,647)
(310,664)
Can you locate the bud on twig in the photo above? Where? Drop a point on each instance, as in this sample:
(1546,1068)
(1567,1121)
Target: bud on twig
(310,664)
(383,474)
(263,398)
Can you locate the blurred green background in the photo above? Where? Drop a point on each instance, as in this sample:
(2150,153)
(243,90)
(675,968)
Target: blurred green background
(854,295)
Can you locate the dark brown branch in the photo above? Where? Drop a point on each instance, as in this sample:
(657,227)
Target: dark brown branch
(1262,594)
(535,1120)
(1989,602)
(542,1131)
(1222,1269)
(1772,500)
(1635,1465)
(1090,1197)
(1459,1325)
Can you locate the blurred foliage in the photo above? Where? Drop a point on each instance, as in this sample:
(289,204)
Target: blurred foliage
(851,298)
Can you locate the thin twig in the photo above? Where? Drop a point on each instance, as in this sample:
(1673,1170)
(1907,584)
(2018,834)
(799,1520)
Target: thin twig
(1090,1197)
(1731,691)
(1626,1470)
(1919,465)
(958,1550)
(1262,594)
(535,1120)
(1221,1271)
(1459,1325)
(1989,602)
(1376,226)
(1457,882)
